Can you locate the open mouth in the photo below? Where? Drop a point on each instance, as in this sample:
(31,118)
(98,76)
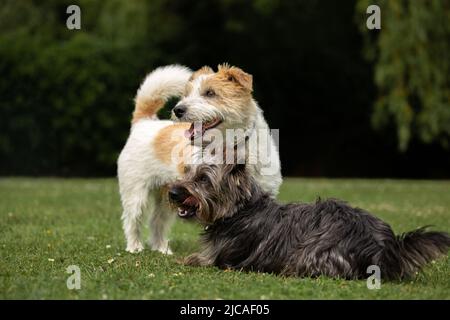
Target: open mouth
(188,208)
(197,130)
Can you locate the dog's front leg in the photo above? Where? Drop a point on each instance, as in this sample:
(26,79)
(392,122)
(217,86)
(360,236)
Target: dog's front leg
(197,260)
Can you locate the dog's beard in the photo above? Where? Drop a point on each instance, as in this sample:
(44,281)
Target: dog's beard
(216,207)
(203,208)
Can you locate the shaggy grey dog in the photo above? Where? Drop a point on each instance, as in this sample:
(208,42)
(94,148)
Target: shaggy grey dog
(246,229)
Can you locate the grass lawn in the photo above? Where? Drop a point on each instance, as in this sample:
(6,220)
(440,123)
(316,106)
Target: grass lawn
(48,224)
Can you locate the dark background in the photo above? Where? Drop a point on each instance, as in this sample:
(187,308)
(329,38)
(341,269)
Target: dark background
(349,102)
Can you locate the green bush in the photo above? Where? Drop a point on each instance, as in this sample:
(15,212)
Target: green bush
(412,68)
(66,95)
(66,101)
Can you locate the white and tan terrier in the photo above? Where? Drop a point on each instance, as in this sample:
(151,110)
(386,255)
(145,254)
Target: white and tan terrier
(220,101)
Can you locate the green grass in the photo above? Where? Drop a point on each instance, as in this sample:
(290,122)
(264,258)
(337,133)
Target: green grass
(48,224)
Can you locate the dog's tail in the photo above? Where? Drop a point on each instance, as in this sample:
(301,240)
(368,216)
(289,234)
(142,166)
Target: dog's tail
(410,251)
(159,85)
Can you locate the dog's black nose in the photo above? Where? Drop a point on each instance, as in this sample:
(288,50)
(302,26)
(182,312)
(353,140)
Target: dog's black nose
(177,194)
(179,110)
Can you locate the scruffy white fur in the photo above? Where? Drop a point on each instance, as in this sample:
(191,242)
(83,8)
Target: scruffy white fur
(141,174)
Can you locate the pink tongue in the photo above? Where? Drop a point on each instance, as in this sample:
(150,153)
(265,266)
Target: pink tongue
(188,134)
(191,133)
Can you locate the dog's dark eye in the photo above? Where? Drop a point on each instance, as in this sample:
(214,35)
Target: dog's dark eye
(203,178)
(210,93)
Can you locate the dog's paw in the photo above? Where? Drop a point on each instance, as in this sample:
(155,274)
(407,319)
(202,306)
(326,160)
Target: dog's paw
(135,248)
(165,250)
(162,247)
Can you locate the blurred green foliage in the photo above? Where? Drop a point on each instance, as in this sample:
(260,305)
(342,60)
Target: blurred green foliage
(412,68)
(66,96)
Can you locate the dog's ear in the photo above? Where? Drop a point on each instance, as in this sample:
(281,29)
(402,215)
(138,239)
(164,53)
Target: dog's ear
(237,75)
(202,71)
